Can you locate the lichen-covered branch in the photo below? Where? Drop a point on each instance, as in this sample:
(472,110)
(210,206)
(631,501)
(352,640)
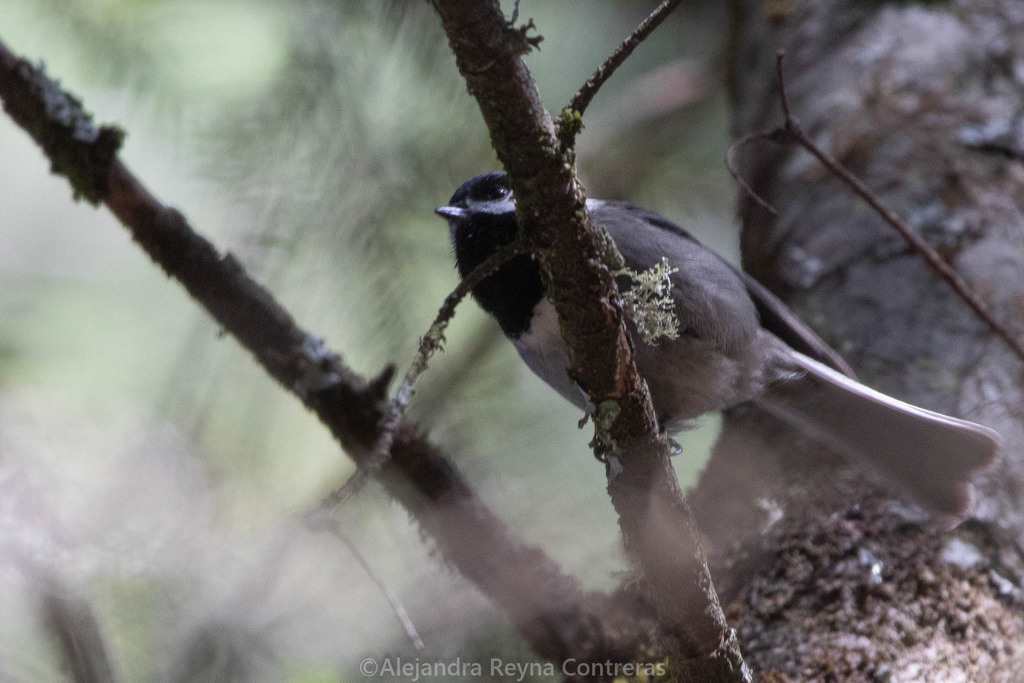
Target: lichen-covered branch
(429,344)
(656,525)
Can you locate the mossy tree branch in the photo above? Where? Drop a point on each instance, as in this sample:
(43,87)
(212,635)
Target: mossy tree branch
(657,527)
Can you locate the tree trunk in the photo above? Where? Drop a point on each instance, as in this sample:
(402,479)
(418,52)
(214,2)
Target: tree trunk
(826,575)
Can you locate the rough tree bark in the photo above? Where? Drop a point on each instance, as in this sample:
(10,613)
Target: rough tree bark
(824,575)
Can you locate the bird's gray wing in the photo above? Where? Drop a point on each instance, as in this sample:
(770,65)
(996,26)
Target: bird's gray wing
(777,318)
(717,299)
(712,303)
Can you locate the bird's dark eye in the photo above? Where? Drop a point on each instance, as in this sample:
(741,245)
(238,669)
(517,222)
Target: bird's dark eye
(491,192)
(490,187)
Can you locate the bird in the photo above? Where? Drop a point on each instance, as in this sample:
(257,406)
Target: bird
(736,344)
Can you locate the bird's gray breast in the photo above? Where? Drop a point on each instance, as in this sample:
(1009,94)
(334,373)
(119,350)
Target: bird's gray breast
(543,350)
(686,376)
(717,360)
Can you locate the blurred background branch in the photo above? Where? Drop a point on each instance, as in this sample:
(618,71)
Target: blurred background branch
(78,636)
(559,622)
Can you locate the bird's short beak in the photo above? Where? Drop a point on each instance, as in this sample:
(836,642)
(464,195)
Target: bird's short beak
(450,212)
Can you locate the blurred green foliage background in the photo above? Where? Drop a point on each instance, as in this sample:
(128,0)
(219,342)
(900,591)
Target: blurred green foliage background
(150,469)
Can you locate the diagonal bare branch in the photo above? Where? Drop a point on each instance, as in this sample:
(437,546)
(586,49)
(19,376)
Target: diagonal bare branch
(548,607)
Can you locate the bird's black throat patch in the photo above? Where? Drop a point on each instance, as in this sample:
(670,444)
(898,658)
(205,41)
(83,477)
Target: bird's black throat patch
(511,293)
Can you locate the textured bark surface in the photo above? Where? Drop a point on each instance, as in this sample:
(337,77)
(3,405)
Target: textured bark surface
(827,576)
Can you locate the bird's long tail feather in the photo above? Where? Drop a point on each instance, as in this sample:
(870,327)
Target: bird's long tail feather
(931,456)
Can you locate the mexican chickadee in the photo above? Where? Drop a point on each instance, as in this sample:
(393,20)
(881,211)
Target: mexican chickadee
(737,344)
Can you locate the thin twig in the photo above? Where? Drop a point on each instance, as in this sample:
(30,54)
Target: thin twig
(429,344)
(915,242)
(790,132)
(730,165)
(780,56)
(353,485)
(334,528)
(585,94)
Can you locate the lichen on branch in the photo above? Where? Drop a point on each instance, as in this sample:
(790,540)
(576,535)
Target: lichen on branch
(649,304)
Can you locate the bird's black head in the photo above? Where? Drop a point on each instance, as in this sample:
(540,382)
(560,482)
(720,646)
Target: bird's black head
(490,192)
(481,219)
